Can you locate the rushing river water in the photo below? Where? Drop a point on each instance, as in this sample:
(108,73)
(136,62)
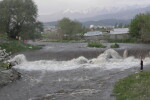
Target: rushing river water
(72,71)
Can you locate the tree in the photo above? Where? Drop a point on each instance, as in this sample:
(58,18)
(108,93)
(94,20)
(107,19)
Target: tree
(32,31)
(71,28)
(17,16)
(140,27)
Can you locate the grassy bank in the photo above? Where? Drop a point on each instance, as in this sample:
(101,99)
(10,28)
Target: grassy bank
(16,46)
(65,41)
(133,87)
(124,41)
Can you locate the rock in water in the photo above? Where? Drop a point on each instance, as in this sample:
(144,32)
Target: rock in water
(8,76)
(3,55)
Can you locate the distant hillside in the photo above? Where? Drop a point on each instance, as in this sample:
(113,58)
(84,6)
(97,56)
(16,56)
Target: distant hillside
(100,22)
(126,14)
(54,23)
(106,22)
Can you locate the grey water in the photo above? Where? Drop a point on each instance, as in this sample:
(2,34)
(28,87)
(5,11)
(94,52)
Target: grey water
(84,81)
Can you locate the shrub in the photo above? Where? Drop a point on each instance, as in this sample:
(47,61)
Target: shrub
(114,46)
(96,44)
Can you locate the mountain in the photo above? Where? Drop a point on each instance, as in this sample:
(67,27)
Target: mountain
(107,18)
(106,22)
(125,14)
(96,14)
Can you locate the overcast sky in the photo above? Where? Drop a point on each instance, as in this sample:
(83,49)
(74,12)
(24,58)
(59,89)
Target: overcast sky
(52,6)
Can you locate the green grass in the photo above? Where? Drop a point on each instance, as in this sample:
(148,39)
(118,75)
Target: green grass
(3,65)
(124,41)
(3,36)
(66,41)
(114,46)
(96,44)
(16,46)
(133,87)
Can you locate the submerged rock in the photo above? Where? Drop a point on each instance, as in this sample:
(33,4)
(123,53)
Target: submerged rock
(8,76)
(7,73)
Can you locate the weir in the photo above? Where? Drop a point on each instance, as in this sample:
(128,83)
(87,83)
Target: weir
(109,59)
(71,54)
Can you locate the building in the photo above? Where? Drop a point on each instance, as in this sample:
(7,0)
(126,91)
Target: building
(118,33)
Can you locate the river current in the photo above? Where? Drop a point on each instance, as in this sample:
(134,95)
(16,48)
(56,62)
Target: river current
(72,72)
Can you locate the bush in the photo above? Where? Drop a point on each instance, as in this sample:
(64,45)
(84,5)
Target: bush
(96,44)
(114,46)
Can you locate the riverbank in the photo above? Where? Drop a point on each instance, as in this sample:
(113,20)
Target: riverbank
(134,87)
(8,47)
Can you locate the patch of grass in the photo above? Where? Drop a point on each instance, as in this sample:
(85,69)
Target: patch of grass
(3,36)
(114,46)
(96,44)
(133,87)
(66,41)
(3,65)
(16,46)
(124,41)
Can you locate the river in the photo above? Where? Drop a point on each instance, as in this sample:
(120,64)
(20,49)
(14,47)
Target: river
(72,71)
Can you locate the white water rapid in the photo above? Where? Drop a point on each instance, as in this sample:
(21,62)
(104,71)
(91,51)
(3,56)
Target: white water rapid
(110,59)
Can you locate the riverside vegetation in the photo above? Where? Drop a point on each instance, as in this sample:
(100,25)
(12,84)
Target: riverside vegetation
(99,45)
(133,87)
(7,45)
(96,44)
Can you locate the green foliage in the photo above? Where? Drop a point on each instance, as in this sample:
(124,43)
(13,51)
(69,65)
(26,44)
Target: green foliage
(16,46)
(114,46)
(133,87)
(18,17)
(139,27)
(4,65)
(70,28)
(124,41)
(96,44)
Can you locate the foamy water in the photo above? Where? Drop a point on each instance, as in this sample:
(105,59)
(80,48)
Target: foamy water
(110,59)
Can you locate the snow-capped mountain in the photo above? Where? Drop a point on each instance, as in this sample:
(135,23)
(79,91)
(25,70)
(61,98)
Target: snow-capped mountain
(94,14)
